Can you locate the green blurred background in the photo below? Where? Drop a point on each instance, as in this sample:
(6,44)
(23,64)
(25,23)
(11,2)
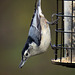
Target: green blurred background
(15,18)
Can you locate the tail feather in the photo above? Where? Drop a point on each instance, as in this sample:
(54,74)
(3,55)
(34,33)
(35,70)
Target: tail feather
(39,8)
(39,3)
(37,13)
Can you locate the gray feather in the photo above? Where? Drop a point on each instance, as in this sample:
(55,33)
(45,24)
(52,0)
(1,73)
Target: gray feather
(35,34)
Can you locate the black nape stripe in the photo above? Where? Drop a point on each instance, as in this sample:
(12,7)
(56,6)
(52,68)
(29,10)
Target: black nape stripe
(29,41)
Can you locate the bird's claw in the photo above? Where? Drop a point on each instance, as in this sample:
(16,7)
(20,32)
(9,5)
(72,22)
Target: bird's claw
(53,47)
(55,21)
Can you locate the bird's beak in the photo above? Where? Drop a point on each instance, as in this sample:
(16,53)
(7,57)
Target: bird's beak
(22,63)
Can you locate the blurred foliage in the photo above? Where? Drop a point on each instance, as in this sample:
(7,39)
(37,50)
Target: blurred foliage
(15,19)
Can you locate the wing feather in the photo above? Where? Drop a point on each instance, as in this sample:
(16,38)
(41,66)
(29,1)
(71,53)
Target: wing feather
(35,27)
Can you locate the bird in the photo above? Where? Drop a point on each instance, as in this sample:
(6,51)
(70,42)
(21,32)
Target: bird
(39,36)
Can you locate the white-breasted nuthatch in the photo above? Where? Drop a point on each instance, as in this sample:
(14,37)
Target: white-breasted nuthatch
(39,35)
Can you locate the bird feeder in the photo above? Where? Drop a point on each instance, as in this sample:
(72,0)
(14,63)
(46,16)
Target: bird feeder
(64,46)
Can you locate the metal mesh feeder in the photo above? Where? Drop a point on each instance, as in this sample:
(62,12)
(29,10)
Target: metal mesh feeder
(65,47)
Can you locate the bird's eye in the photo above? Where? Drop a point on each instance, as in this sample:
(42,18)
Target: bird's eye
(26,54)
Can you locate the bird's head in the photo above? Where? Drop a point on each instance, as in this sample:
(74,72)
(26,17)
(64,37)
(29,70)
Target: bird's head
(25,55)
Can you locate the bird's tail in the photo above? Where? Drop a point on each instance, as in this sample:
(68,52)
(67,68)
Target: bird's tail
(39,3)
(39,8)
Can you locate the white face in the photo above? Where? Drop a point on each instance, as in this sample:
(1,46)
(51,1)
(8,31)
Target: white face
(25,57)
(26,54)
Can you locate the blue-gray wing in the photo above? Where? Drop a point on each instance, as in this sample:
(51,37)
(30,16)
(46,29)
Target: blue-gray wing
(35,27)
(35,34)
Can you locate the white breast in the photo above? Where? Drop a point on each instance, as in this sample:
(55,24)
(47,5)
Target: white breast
(45,33)
(45,39)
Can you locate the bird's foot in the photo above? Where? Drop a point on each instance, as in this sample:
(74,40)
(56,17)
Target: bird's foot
(54,21)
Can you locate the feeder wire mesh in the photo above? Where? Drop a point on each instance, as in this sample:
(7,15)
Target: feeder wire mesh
(65,50)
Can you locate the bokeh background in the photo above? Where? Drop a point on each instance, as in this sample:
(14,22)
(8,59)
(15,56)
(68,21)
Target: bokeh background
(15,19)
